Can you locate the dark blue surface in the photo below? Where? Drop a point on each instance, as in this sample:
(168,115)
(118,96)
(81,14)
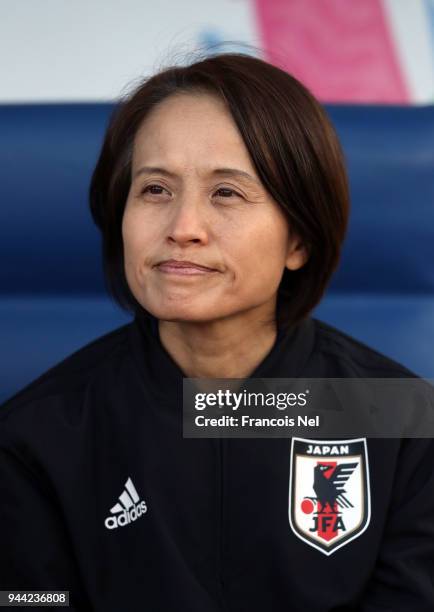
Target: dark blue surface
(47,238)
(52,297)
(390,158)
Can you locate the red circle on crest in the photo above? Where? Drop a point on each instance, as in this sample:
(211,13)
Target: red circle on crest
(307,506)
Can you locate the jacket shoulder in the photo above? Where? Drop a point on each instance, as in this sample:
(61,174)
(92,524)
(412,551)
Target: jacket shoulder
(351,357)
(72,373)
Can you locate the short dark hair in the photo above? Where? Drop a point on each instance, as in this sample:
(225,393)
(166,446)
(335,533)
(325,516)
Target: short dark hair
(293,147)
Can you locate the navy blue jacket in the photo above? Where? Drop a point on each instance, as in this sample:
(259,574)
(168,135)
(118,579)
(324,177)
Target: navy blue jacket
(102,496)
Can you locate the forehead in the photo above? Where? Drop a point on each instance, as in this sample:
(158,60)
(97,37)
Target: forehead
(190,130)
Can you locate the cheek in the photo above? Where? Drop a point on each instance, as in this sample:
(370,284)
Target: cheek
(128,229)
(261,251)
(136,247)
(135,235)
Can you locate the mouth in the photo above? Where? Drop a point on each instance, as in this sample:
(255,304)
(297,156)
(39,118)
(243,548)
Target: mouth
(183,268)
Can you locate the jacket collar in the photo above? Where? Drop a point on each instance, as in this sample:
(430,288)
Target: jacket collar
(286,359)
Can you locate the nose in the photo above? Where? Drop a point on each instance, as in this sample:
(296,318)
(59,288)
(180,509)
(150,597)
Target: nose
(188,223)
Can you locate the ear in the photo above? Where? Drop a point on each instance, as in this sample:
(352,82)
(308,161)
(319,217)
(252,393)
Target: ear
(297,254)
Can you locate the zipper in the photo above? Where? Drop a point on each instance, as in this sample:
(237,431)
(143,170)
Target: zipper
(221,451)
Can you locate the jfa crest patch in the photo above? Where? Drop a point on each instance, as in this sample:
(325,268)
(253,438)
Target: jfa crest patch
(329,493)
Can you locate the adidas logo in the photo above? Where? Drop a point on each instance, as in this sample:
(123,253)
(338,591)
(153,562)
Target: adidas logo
(128,510)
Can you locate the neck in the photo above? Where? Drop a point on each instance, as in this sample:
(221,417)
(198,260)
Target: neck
(226,348)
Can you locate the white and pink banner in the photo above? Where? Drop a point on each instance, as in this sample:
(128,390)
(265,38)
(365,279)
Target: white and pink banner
(349,51)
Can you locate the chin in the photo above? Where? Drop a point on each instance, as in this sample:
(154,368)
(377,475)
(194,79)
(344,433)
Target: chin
(186,317)
(179,312)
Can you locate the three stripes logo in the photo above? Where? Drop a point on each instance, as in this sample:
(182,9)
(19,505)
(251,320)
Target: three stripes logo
(128,509)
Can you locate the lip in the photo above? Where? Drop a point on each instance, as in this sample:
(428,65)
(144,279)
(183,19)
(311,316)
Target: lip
(183,267)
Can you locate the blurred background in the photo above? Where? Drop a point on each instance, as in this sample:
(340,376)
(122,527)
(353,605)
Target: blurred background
(64,64)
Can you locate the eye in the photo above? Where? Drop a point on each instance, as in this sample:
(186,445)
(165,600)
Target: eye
(227,193)
(153,189)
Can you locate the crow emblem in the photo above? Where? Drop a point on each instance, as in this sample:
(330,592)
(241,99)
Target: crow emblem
(329,490)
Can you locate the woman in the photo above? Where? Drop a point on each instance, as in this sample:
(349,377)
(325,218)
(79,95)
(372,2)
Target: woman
(222,200)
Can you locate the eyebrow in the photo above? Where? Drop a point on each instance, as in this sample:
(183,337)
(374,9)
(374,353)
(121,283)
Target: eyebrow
(216,172)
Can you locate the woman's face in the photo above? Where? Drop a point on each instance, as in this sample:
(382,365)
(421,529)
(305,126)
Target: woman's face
(195,197)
